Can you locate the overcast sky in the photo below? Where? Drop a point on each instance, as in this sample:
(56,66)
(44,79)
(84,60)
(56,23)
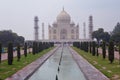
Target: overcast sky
(18,15)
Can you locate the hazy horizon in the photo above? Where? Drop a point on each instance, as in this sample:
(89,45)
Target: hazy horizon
(18,16)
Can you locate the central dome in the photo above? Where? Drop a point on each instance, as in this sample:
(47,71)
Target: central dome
(63,17)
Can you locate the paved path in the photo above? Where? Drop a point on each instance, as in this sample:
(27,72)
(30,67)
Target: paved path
(116,53)
(27,71)
(89,71)
(60,66)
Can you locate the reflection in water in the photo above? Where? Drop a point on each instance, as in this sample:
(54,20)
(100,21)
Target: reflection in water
(60,66)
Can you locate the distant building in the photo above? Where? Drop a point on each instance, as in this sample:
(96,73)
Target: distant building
(43,34)
(90,27)
(84,30)
(36,27)
(63,28)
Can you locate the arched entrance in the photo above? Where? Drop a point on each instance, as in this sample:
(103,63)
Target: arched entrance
(63,34)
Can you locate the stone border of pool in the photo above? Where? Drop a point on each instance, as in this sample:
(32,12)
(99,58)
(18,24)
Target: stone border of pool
(27,71)
(89,71)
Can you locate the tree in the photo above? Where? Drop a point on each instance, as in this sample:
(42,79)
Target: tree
(104,49)
(115,36)
(86,46)
(18,52)
(111,52)
(40,46)
(97,50)
(0,51)
(33,48)
(119,53)
(7,36)
(10,53)
(25,49)
(93,48)
(90,46)
(101,35)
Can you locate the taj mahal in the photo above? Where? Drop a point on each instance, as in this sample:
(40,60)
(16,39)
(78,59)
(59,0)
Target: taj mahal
(63,29)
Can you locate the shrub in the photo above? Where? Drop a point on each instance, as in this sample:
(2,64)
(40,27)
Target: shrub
(111,52)
(25,49)
(104,49)
(10,53)
(90,47)
(93,48)
(97,50)
(119,53)
(0,51)
(33,48)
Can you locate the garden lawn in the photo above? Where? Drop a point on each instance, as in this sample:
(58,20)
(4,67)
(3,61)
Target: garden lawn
(112,71)
(8,70)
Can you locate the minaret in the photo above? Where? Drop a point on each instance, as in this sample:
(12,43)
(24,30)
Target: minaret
(77,31)
(36,28)
(43,35)
(84,29)
(90,27)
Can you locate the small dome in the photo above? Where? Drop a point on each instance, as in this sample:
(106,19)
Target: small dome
(63,16)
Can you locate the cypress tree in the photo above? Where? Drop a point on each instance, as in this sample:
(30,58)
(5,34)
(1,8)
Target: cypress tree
(10,53)
(97,50)
(33,48)
(87,46)
(18,52)
(37,47)
(43,45)
(93,48)
(46,45)
(0,51)
(25,49)
(40,46)
(84,46)
(104,49)
(90,44)
(111,52)
(80,45)
(119,53)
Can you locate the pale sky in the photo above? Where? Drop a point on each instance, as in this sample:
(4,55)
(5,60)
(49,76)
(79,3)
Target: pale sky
(18,15)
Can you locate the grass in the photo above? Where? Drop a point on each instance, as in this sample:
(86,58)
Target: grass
(112,71)
(8,70)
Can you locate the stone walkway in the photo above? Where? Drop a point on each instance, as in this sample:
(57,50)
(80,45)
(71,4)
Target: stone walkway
(90,72)
(27,71)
